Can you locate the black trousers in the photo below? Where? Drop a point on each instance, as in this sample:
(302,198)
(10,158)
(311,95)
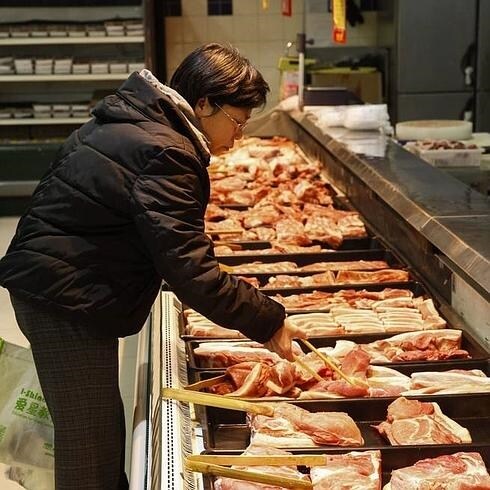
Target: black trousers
(79,378)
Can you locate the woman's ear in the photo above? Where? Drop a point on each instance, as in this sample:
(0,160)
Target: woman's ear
(203,108)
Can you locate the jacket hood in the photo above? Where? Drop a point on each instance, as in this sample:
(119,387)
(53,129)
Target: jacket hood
(138,100)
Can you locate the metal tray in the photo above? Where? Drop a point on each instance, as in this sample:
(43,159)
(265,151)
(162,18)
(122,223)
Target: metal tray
(227,430)
(303,259)
(415,287)
(390,460)
(479,355)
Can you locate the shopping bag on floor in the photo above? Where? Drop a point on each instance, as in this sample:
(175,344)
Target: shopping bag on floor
(26,428)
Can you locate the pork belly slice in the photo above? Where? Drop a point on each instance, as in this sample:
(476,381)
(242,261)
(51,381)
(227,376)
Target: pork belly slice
(324,230)
(259,450)
(411,422)
(287,281)
(386,275)
(354,265)
(224,354)
(448,382)
(265,268)
(292,231)
(458,471)
(316,324)
(355,470)
(292,426)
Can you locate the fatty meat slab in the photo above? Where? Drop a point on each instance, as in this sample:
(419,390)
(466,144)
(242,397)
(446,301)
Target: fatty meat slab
(354,471)
(411,422)
(285,380)
(458,471)
(294,427)
(259,450)
(429,345)
(344,312)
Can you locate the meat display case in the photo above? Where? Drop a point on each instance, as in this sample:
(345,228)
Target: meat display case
(435,224)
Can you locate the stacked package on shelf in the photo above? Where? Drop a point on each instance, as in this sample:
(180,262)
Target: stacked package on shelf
(7,65)
(42,111)
(75,30)
(99,67)
(63,66)
(43,66)
(118,67)
(24,66)
(114,28)
(4,31)
(134,27)
(57,30)
(80,67)
(96,30)
(61,111)
(20,31)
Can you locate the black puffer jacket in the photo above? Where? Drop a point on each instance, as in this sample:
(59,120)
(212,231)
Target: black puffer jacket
(120,209)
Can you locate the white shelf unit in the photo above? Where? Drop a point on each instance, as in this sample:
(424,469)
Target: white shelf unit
(64,78)
(36,41)
(30,121)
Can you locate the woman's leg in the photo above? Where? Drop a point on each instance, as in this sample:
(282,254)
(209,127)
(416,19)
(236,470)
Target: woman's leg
(79,378)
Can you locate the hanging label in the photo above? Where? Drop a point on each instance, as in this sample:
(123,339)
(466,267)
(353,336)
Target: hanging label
(339,21)
(287,8)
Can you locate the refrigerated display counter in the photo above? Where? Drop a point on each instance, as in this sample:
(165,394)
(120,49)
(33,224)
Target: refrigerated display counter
(438,226)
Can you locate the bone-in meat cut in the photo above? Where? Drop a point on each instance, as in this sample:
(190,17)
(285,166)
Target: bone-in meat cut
(293,426)
(412,422)
(354,471)
(458,471)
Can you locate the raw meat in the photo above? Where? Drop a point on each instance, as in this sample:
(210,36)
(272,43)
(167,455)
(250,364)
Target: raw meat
(292,426)
(458,471)
(430,345)
(259,450)
(447,382)
(353,471)
(387,275)
(412,422)
(225,354)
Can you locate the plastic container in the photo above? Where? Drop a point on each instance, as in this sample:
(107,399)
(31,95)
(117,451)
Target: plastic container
(467,157)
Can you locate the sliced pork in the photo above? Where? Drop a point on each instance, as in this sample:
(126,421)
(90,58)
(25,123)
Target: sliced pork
(292,426)
(259,450)
(354,471)
(458,471)
(411,422)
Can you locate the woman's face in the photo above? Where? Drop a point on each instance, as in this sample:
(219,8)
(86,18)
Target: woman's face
(222,125)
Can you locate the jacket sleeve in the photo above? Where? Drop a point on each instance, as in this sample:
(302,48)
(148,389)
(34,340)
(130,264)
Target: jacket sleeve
(169,205)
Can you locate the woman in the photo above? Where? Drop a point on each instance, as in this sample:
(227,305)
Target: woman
(121,209)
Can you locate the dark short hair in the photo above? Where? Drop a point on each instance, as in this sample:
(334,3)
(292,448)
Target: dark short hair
(220,73)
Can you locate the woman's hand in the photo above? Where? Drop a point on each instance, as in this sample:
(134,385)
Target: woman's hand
(280,343)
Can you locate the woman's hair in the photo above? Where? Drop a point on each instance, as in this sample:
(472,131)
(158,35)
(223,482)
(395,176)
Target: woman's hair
(221,74)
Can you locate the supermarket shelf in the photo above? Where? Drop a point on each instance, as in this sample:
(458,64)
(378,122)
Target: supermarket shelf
(30,121)
(64,78)
(34,41)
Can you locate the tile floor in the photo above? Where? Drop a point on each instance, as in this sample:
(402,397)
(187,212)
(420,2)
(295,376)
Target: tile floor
(11,333)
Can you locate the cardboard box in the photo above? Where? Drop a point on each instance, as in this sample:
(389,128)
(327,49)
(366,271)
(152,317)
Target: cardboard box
(365,83)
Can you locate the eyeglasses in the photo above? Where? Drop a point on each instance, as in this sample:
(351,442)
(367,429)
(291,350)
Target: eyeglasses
(239,125)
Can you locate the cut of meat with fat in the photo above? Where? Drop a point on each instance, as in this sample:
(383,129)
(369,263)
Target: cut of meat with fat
(353,471)
(260,450)
(292,426)
(448,382)
(325,230)
(458,471)
(411,422)
(386,275)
